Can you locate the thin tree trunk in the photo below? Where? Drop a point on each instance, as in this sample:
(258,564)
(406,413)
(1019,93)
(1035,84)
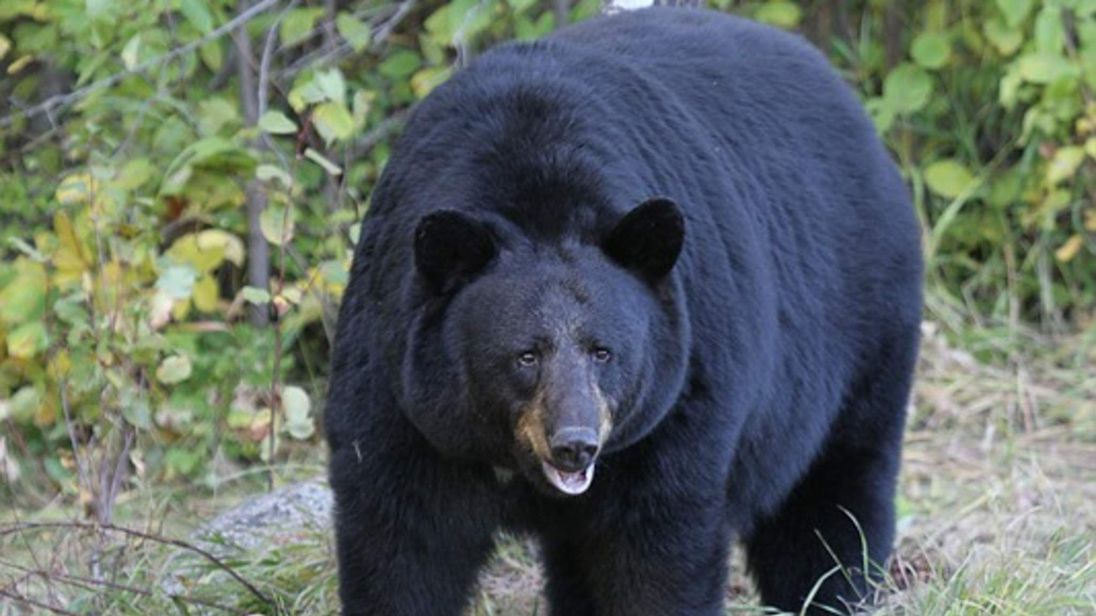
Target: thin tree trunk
(892,28)
(820,26)
(562,10)
(258,251)
(841,19)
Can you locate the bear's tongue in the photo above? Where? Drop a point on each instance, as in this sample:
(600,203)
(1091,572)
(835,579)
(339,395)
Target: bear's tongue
(569,483)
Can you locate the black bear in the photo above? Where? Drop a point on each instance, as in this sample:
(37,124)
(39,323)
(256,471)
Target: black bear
(638,289)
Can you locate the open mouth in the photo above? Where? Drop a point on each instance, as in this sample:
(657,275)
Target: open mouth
(569,483)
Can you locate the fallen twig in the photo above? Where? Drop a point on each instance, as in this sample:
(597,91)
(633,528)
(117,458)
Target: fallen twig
(30,526)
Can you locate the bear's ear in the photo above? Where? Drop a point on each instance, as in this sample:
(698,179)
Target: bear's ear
(648,239)
(449,248)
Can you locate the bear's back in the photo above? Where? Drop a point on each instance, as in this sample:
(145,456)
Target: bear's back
(787,191)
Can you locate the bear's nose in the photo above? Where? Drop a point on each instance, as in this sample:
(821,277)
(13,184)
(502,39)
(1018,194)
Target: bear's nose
(573,448)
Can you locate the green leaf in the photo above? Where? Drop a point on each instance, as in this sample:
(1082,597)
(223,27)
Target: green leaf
(907,88)
(1045,67)
(297,408)
(300,429)
(129,52)
(297,25)
(931,50)
(328,166)
(360,104)
(205,294)
(212,55)
(948,178)
(334,272)
(177,281)
(202,259)
(1070,248)
(214,114)
(23,247)
(24,403)
(1014,10)
(218,242)
(1005,189)
(183,461)
(304,94)
(526,29)
(95,8)
(353,30)
(213,152)
(1064,164)
(1049,32)
(135,410)
(779,13)
(23,299)
(174,369)
(78,188)
(175,181)
(333,121)
(268,172)
(332,85)
(1007,40)
(460,21)
(519,6)
(134,173)
(1010,87)
(268,448)
(881,114)
(276,123)
(255,295)
(424,81)
(400,64)
(27,340)
(276,223)
(197,13)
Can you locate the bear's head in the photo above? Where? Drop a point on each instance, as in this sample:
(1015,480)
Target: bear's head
(542,356)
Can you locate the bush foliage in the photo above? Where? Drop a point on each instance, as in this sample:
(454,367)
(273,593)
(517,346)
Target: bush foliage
(180,182)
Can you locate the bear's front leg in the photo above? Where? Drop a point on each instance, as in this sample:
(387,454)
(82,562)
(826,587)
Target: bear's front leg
(653,540)
(411,532)
(661,561)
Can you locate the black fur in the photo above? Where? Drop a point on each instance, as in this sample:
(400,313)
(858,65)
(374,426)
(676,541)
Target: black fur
(758,380)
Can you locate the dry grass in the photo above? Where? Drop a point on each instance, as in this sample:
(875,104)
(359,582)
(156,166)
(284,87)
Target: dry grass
(997,514)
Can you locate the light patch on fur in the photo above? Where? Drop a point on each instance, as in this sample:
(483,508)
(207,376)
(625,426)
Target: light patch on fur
(503,475)
(531,430)
(605,416)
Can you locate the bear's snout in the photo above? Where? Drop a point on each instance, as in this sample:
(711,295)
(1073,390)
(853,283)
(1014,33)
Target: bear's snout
(574,448)
(565,430)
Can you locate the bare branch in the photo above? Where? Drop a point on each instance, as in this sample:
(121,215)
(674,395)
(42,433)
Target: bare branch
(562,10)
(47,106)
(343,49)
(263,94)
(92,584)
(32,603)
(179,543)
(258,251)
(378,133)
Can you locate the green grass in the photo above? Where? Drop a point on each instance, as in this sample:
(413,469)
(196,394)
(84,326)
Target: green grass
(996,505)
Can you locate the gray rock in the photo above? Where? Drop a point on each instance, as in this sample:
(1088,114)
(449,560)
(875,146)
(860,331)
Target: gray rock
(296,515)
(270,520)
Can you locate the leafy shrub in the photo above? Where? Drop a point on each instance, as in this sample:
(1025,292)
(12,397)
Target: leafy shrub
(126,296)
(132,317)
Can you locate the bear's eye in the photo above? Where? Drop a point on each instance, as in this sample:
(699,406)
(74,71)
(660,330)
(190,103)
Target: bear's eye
(602,355)
(527,359)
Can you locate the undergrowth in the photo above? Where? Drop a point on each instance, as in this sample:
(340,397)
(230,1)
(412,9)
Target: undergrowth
(995,516)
